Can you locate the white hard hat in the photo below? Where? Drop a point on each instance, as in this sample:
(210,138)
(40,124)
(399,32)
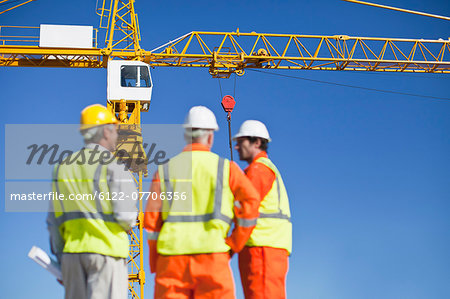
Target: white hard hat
(200,117)
(253,128)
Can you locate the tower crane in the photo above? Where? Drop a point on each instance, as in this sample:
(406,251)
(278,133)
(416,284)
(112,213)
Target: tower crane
(222,53)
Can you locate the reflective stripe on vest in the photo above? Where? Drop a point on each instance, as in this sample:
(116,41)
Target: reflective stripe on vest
(152,235)
(85,226)
(216,214)
(278,215)
(204,228)
(85,215)
(246,222)
(273,228)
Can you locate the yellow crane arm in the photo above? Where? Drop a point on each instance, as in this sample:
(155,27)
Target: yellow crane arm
(224,53)
(228,52)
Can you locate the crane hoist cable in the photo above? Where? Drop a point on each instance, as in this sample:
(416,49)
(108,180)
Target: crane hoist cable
(234,89)
(220,88)
(228,103)
(353,86)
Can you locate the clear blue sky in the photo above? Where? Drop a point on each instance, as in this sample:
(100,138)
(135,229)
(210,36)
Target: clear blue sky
(368,174)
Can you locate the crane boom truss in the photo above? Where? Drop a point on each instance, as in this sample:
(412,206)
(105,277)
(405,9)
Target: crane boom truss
(232,52)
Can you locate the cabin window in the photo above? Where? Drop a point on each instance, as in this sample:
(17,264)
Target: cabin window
(129,75)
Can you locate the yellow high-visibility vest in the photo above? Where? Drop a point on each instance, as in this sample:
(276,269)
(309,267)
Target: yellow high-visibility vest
(274,227)
(87,225)
(200,222)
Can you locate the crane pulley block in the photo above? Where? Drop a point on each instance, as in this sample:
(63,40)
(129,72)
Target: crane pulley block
(228,103)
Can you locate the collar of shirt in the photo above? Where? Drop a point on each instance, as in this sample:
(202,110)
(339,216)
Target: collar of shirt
(261,154)
(196,147)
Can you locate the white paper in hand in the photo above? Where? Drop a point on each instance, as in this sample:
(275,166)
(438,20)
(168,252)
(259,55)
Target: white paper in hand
(41,257)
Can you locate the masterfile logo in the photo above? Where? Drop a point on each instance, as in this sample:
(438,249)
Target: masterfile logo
(53,154)
(33,152)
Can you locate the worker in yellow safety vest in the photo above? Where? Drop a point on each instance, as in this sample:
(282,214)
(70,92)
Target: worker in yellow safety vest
(263,263)
(88,227)
(199,196)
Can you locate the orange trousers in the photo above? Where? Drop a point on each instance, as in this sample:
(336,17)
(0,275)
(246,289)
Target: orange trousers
(263,272)
(194,276)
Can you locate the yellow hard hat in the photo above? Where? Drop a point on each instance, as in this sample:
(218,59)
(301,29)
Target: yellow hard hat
(96,115)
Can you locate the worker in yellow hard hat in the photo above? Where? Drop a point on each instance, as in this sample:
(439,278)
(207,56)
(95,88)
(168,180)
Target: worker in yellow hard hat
(263,263)
(199,196)
(88,228)
(96,115)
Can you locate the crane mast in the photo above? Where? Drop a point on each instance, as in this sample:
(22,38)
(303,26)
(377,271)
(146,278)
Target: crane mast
(122,32)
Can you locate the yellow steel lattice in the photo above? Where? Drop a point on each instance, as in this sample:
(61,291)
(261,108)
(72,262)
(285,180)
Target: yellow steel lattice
(120,20)
(20,47)
(231,52)
(224,53)
(129,115)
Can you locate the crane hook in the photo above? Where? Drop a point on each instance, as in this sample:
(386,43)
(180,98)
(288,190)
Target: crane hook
(228,103)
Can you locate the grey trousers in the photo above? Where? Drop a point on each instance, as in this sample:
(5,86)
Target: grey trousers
(94,276)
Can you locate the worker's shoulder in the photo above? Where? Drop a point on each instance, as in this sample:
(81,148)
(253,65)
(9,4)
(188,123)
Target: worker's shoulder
(70,158)
(205,156)
(212,160)
(188,158)
(263,164)
(202,159)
